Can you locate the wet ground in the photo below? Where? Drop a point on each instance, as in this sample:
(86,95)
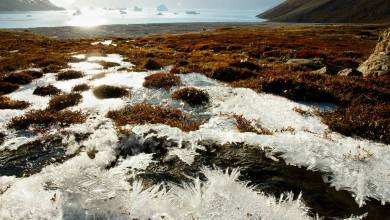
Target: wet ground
(95,167)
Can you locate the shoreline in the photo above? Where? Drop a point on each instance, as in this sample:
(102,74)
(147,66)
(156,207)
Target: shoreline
(142,30)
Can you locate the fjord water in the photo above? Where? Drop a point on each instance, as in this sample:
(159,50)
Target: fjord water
(107,17)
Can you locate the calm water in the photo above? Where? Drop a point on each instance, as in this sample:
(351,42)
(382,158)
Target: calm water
(104,17)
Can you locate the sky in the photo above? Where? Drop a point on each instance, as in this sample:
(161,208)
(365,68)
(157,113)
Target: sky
(196,4)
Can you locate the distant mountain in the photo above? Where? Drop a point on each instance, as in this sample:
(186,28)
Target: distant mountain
(27,5)
(330,11)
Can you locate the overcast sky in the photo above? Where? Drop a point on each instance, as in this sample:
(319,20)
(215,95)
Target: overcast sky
(225,4)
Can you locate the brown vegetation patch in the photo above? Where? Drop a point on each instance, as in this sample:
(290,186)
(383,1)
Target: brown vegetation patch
(192,96)
(69,74)
(6,88)
(244,125)
(46,90)
(151,64)
(47,118)
(107,65)
(60,102)
(110,92)
(230,74)
(8,103)
(81,88)
(162,80)
(364,120)
(149,114)
(20,78)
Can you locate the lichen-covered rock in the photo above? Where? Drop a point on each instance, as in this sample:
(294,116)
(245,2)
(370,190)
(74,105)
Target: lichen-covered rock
(378,63)
(349,72)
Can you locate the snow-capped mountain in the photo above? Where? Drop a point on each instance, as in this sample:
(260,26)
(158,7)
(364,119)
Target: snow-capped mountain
(27,5)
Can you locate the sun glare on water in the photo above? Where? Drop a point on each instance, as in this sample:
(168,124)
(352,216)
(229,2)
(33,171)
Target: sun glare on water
(86,18)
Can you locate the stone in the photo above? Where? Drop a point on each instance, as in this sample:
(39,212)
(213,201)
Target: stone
(378,64)
(349,72)
(304,62)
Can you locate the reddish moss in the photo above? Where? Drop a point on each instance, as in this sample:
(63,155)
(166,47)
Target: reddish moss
(46,90)
(364,120)
(149,114)
(192,96)
(162,80)
(6,88)
(230,74)
(151,64)
(109,92)
(81,88)
(7,103)
(69,74)
(63,101)
(47,118)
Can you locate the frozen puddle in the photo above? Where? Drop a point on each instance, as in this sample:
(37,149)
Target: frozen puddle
(106,186)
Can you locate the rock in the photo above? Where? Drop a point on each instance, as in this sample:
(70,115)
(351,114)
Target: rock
(349,72)
(323,70)
(327,70)
(304,62)
(378,63)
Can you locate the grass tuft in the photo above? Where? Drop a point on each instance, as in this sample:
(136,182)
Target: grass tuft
(69,74)
(81,88)
(151,64)
(230,74)
(8,103)
(6,88)
(20,78)
(149,114)
(162,80)
(46,90)
(107,65)
(60,102)
(47,118)
(109,92)
(192,96)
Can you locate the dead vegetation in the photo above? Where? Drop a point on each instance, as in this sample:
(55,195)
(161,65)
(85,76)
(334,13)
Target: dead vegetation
(109,92)
(81,88)
(69,74)
(6,88)
(162,80)
(8,103)
(47,118)
(250,57)
(46,90)
(107,65)
(141,114)
(244,125)
(364,120)
(21,78)
(151,64)
(192,96)
(60,102)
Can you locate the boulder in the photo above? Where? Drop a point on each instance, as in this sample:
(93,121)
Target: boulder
(304,62)
(378,64)
(349,72)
